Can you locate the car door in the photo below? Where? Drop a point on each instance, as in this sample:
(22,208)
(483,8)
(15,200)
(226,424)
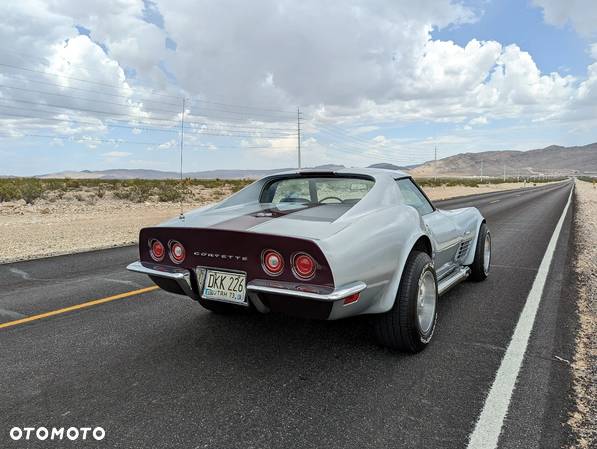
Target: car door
(441,228)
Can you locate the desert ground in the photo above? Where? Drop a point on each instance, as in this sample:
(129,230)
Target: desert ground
(584,366)
(80,220)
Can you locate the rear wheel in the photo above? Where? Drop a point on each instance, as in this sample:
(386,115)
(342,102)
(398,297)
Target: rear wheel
(482,261)
(410,324)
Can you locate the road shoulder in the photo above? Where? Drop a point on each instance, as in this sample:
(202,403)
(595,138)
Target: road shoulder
(583,418)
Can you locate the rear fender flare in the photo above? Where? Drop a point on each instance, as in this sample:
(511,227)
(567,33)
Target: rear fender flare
(471,253)
(387,299)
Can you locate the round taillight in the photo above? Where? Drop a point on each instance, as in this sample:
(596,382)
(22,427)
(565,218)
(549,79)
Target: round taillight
(303,266)
(156,250)
(272,261)
(177,251)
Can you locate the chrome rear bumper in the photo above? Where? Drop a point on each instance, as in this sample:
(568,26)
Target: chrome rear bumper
(307,292)
(181,276)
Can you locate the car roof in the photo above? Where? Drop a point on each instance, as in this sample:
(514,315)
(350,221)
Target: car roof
(373,172)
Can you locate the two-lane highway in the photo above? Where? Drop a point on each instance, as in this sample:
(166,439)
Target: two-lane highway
(156,370)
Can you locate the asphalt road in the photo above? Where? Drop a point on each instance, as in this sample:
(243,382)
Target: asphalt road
(156,370)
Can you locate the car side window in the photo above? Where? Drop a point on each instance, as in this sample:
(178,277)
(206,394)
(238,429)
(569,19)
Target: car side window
(413,196)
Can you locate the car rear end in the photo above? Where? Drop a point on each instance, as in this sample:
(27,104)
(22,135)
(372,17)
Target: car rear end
(248,269)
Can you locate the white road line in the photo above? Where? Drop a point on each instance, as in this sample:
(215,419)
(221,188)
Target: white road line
(494,201)
(488,428)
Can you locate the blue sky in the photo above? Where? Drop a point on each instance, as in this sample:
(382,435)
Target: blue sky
(554,49)
(100,85)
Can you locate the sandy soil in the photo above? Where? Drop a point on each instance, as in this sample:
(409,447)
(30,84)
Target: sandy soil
(80,222)
(584,419)
(444,192)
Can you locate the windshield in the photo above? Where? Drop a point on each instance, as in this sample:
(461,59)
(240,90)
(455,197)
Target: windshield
(316,190)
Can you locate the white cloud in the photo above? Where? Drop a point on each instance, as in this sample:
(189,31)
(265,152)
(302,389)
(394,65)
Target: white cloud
(581,14)
(167,145)
(361,63)
(479,121)
(116,154)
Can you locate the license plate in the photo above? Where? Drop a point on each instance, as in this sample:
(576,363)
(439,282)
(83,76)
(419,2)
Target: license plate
(225,286)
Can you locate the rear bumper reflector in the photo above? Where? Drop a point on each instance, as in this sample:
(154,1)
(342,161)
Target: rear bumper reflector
(351,299)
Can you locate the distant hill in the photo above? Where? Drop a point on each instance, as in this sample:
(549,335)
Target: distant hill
(552,160)
(392,166)
(157,174)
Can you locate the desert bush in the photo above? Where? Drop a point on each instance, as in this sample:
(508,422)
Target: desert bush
(30,191)
(137,190)
(123,194)
(73,183)
(9,192)
(588,179)
(171,193)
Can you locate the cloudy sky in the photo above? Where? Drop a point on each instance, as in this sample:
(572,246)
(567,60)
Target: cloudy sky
(90,84)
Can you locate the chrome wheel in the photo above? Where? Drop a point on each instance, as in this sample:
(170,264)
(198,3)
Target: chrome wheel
(426,299)
(487,253)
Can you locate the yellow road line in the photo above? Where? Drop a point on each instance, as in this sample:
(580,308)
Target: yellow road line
(78,306)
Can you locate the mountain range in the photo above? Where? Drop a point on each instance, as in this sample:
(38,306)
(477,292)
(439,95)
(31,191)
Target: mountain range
(552,160)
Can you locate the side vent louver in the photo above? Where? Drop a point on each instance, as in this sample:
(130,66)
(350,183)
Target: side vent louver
(463,249)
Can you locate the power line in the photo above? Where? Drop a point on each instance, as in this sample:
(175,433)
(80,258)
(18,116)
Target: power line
(76,79)
(207,132)
(87,139)
(94,111)
(353,149)
(82,98)
(140,118)
(80,89)
(153,93)
(81,122)
(243,106)
(243,113)
(362,146)
(339,131)
(139,125)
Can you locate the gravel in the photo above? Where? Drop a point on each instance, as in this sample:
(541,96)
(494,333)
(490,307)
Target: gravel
(583,420)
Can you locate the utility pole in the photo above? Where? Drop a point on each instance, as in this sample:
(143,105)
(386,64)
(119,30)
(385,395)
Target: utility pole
(482,171)
(504,172)
(298,140)
(435,165)
(181,217)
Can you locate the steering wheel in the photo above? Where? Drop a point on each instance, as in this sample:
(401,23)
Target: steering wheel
(330,198)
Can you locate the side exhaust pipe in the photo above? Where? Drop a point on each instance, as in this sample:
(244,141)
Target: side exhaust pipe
(454,278)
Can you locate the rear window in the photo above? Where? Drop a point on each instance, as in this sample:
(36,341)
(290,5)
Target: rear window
(316,190)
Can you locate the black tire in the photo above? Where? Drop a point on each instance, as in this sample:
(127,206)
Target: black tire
(478,270)
(399,327)
(222,308)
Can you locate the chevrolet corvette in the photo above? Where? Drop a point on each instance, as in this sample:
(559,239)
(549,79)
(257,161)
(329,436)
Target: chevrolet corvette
(323,245)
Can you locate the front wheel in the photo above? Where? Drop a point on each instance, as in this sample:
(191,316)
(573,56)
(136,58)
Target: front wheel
(410,324)
(482,261)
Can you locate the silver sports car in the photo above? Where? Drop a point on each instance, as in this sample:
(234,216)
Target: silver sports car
(323,245)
